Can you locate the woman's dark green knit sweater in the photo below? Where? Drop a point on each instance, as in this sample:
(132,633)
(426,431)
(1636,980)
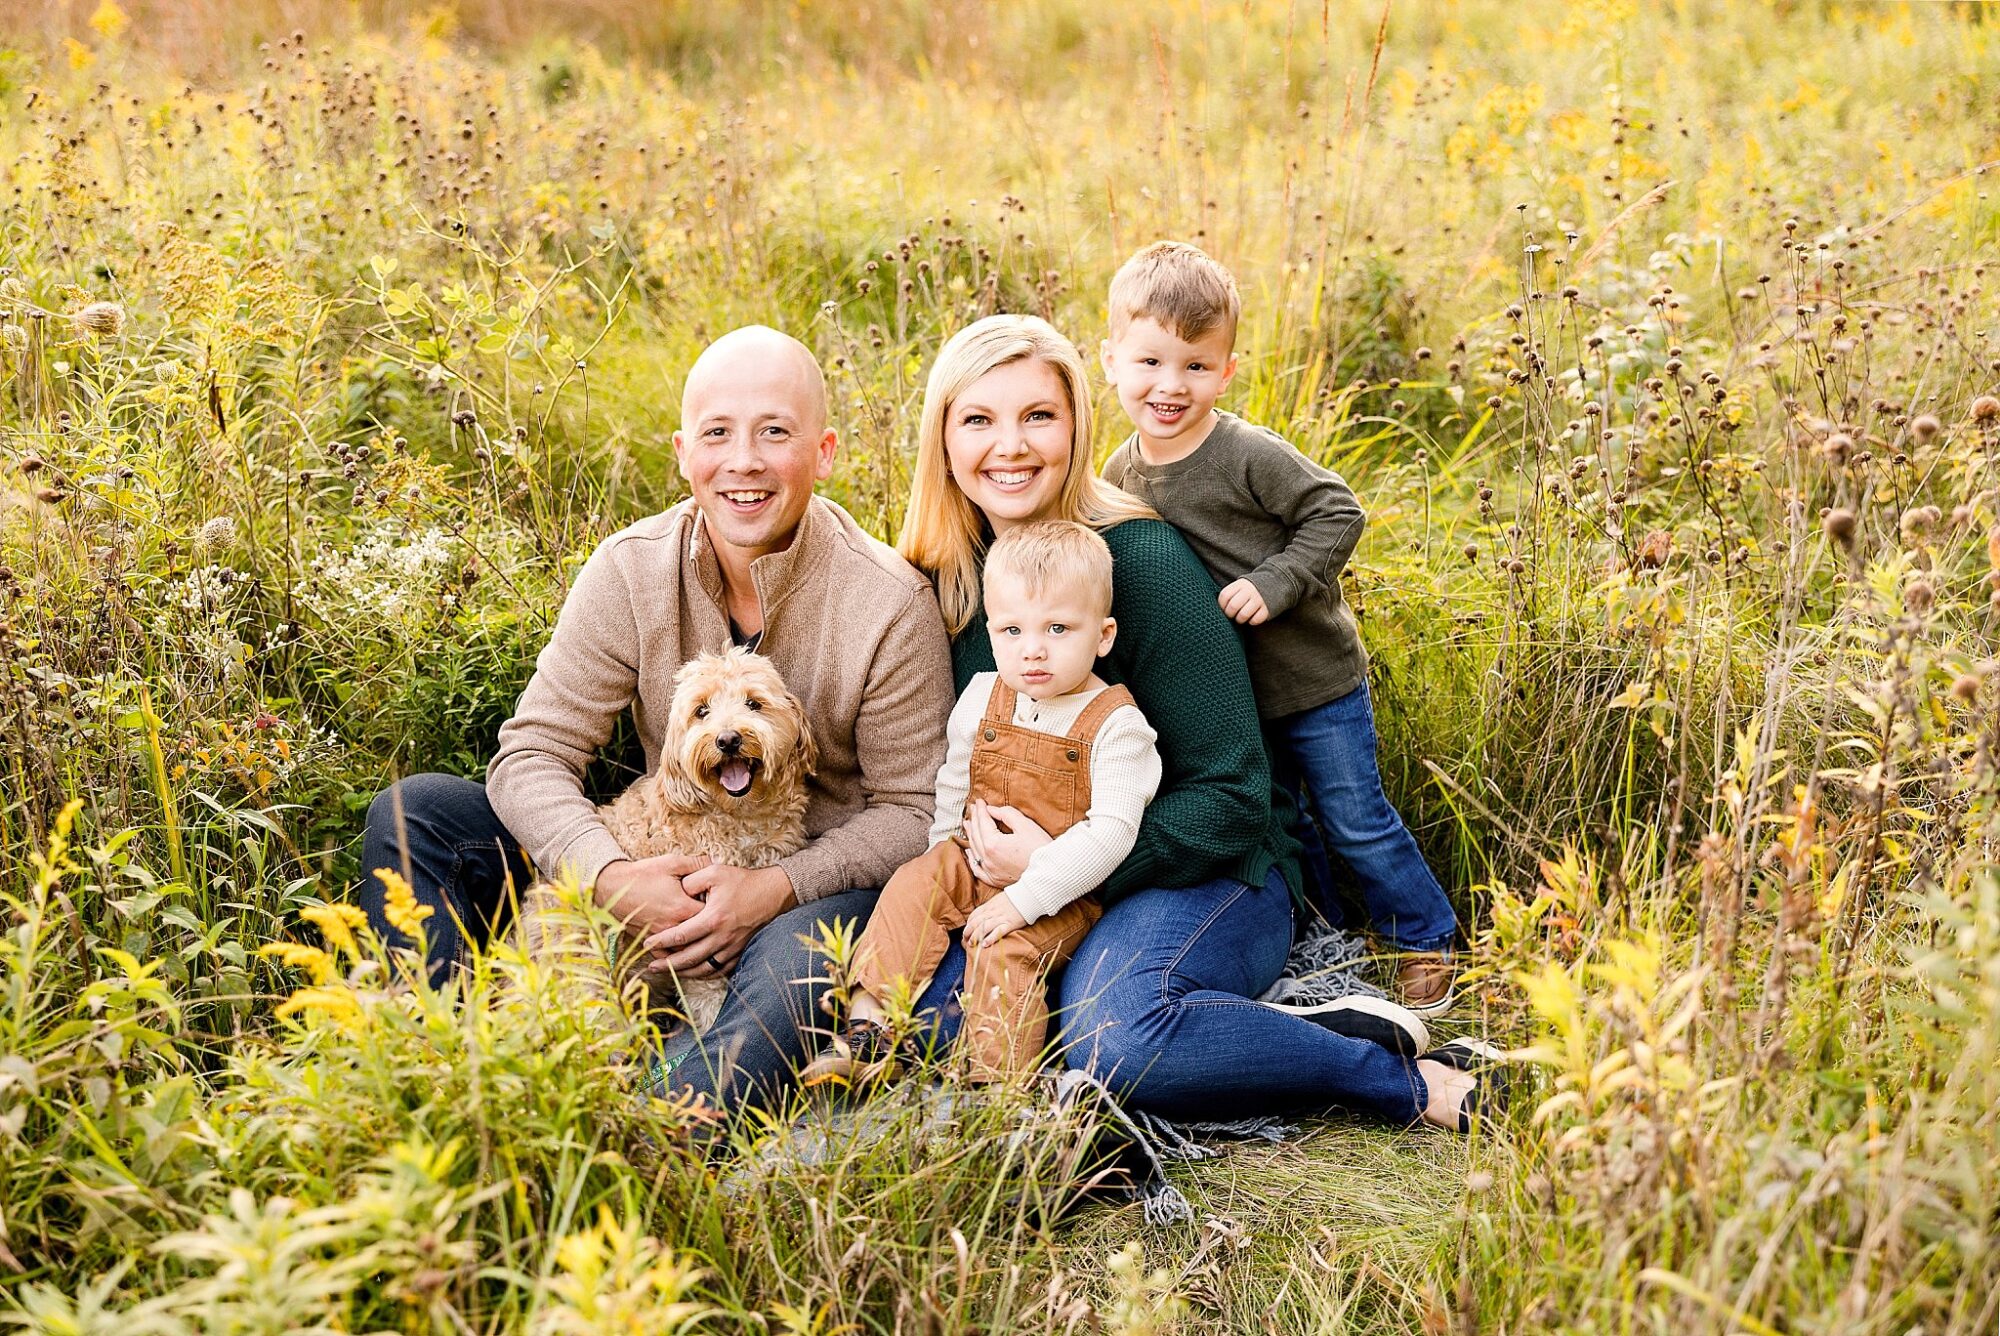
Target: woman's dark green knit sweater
(1183,662)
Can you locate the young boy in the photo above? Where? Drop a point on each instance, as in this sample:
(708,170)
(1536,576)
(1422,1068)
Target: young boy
(1047,737)
(1274,529)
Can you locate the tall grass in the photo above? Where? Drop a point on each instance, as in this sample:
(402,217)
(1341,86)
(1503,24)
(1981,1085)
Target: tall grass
(1658,341)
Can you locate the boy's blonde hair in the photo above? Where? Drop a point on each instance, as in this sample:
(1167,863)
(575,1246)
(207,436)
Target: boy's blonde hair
(1180,287)
(1055,554)
(944,534)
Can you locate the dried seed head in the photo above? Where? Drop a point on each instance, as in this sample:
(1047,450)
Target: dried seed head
(218,533)
(1655,548)
(1837,447)
(1925,427)
(1986,408)
(1919,520)
(1966,688)
(32,465)
(1919,597)
(103,318)
(1840,526)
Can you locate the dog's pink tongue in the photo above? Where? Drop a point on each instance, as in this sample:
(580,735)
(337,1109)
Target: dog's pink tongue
(735,775)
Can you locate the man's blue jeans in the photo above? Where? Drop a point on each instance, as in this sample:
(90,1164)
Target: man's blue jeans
(1157,1004)
(441,832)
(1326,758)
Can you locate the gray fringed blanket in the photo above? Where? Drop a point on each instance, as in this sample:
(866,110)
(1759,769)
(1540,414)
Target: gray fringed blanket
(1324,964)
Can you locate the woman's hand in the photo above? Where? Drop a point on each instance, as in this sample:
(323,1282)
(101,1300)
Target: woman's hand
(1002,840)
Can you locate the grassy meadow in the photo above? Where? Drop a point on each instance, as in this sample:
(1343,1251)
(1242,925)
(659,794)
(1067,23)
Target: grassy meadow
(1660,339)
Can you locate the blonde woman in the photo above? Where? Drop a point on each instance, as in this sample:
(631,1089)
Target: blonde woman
(1198,918)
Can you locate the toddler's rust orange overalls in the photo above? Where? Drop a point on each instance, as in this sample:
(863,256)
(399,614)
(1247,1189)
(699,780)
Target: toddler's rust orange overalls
(1046,776)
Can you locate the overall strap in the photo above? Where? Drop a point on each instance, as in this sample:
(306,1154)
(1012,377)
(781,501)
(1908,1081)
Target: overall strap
(1101,707)
(1000,703)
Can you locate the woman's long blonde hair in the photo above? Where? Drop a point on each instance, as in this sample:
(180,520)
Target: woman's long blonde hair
(943,532)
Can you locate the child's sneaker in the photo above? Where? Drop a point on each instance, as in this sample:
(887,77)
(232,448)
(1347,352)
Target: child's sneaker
(864,1054)
(1424,982)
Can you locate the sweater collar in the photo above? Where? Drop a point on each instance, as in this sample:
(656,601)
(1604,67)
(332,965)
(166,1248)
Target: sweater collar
(777,575)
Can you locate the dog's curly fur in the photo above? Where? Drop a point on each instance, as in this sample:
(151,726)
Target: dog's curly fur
(732,722)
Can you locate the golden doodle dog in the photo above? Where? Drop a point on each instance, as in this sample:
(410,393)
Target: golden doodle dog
(730,788)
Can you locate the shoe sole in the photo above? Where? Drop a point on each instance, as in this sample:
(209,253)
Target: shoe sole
(1465,1054)
(1431,1009)
(1376,1019)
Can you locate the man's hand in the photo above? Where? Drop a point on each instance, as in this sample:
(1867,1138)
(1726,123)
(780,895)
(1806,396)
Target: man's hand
(1002,840)
(992,921)
(1242,603)
(735,903)
(647,894)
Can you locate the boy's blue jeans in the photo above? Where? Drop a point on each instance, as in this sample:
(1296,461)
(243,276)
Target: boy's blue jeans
(1325,756)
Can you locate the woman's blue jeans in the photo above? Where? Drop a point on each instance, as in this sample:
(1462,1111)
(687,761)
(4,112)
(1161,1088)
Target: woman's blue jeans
(1156,1002)
(1157,1005)
(1325,757)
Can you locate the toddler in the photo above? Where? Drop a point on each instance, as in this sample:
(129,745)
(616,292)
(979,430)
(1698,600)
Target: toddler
(1045,736)
(1274,529)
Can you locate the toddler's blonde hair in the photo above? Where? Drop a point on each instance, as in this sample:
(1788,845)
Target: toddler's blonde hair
(944,534)
(1055,554)
(1180,287)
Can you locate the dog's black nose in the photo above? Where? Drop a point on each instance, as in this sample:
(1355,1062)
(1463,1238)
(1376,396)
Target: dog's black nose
(729,743)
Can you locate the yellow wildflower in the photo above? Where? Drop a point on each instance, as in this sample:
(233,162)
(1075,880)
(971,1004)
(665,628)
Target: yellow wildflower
(80,56)
(400,905)
(110,21)
(335,1000)
(300,956)
(337,923)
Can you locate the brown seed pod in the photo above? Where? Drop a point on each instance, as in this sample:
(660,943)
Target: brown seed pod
(1919,597)
(1925,427)
(1986,408)
(1840,526)
(102,318)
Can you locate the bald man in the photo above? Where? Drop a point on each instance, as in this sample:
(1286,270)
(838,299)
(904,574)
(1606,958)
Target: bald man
(751,558)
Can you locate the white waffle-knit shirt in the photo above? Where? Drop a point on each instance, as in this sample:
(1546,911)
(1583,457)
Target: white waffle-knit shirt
(1124,776)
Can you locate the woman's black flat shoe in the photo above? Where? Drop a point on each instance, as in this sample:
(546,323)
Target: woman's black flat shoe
(1492,1080)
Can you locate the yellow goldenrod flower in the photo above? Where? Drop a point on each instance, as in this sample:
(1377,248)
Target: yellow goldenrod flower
(337,1001)
(109,21)
(300,956)
(337,922)
(400,905)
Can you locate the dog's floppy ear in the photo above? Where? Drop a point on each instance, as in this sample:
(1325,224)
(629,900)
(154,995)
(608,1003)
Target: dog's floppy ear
(675,787)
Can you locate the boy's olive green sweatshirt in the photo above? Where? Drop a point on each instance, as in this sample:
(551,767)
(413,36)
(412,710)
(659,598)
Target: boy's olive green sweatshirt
(1252,507)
